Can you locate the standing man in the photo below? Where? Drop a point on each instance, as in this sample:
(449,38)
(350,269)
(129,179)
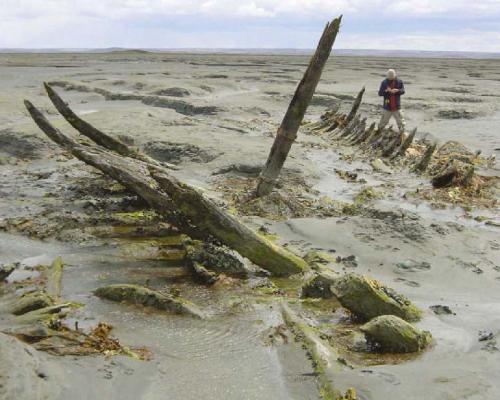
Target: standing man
(391,89)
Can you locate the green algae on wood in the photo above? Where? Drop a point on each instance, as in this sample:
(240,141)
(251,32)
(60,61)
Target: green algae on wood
(53,275)
(30,302)
(46,314)
(318,257)
(392,334)
(367,299)
(321,353)
(227,228)
(135,294)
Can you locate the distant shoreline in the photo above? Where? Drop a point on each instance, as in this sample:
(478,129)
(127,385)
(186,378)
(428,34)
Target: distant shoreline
(338,52)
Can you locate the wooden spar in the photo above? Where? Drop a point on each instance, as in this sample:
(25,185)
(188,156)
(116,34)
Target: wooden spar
(406,144)
(366,135)
(426,158)
(129,172)
(287,132)
(350,127)
(391,146)
(184,206)
(96,135)
(355,105)
(225,227)
(358,132)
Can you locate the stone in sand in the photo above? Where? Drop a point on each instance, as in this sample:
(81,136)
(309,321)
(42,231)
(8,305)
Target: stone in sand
(5,271)
(367,299)
(135,294)
(318,286)
(379,166)
(392,334)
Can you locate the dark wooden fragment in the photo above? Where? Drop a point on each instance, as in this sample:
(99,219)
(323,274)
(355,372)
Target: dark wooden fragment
(287,132)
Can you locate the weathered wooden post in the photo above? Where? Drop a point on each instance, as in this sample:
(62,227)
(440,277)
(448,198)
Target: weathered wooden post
(287,132)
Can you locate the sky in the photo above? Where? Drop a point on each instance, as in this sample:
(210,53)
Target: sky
(450,25)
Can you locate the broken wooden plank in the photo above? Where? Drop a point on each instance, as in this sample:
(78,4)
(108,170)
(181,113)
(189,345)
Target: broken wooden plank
(355,105)
(406,144)
(144,296)
(53,274)
(426,158)
(366,135)
(225,227)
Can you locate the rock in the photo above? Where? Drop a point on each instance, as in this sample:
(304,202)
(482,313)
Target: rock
(349,261)
(389,333)
(23,376)
(457,114)
(5,271)
(135,294)
(414,266)
(212,257)
(379,166)
(441,310)
(204,275)
(318,286)
(367,299)
(30,302)
(485,335)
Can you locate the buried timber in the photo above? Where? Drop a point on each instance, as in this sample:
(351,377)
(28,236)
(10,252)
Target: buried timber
(364,273)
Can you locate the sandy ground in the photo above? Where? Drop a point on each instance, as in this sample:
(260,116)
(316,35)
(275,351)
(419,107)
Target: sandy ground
(225,110)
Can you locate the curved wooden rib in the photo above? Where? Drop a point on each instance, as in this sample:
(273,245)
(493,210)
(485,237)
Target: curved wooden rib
(96,135)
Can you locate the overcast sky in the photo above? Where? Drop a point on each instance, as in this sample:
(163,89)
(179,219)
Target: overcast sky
(459,25)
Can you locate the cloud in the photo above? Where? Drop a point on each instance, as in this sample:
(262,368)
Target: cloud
(465,40)
(431,24)
(112,9)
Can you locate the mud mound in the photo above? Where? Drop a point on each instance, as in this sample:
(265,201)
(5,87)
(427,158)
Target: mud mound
(18,145)
(460,90)
(176,153)
(179,106)
(459,99)
(324,101)
(293,198)
(173,92)
(457,114)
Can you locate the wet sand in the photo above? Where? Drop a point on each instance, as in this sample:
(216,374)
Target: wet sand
(224,110)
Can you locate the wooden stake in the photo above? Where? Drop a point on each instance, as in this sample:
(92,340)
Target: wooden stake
(287,132)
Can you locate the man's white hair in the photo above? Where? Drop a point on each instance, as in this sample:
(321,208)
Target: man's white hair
(391,74)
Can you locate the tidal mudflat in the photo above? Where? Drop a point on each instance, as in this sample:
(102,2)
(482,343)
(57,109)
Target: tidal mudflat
(214,117)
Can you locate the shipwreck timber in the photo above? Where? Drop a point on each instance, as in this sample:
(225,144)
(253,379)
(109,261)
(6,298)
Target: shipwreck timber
(287,132)
(183,205)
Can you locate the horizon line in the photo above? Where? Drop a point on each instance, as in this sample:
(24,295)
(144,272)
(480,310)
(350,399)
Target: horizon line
(235,49)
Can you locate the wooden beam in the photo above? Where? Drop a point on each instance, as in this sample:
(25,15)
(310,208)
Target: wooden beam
(287,132)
